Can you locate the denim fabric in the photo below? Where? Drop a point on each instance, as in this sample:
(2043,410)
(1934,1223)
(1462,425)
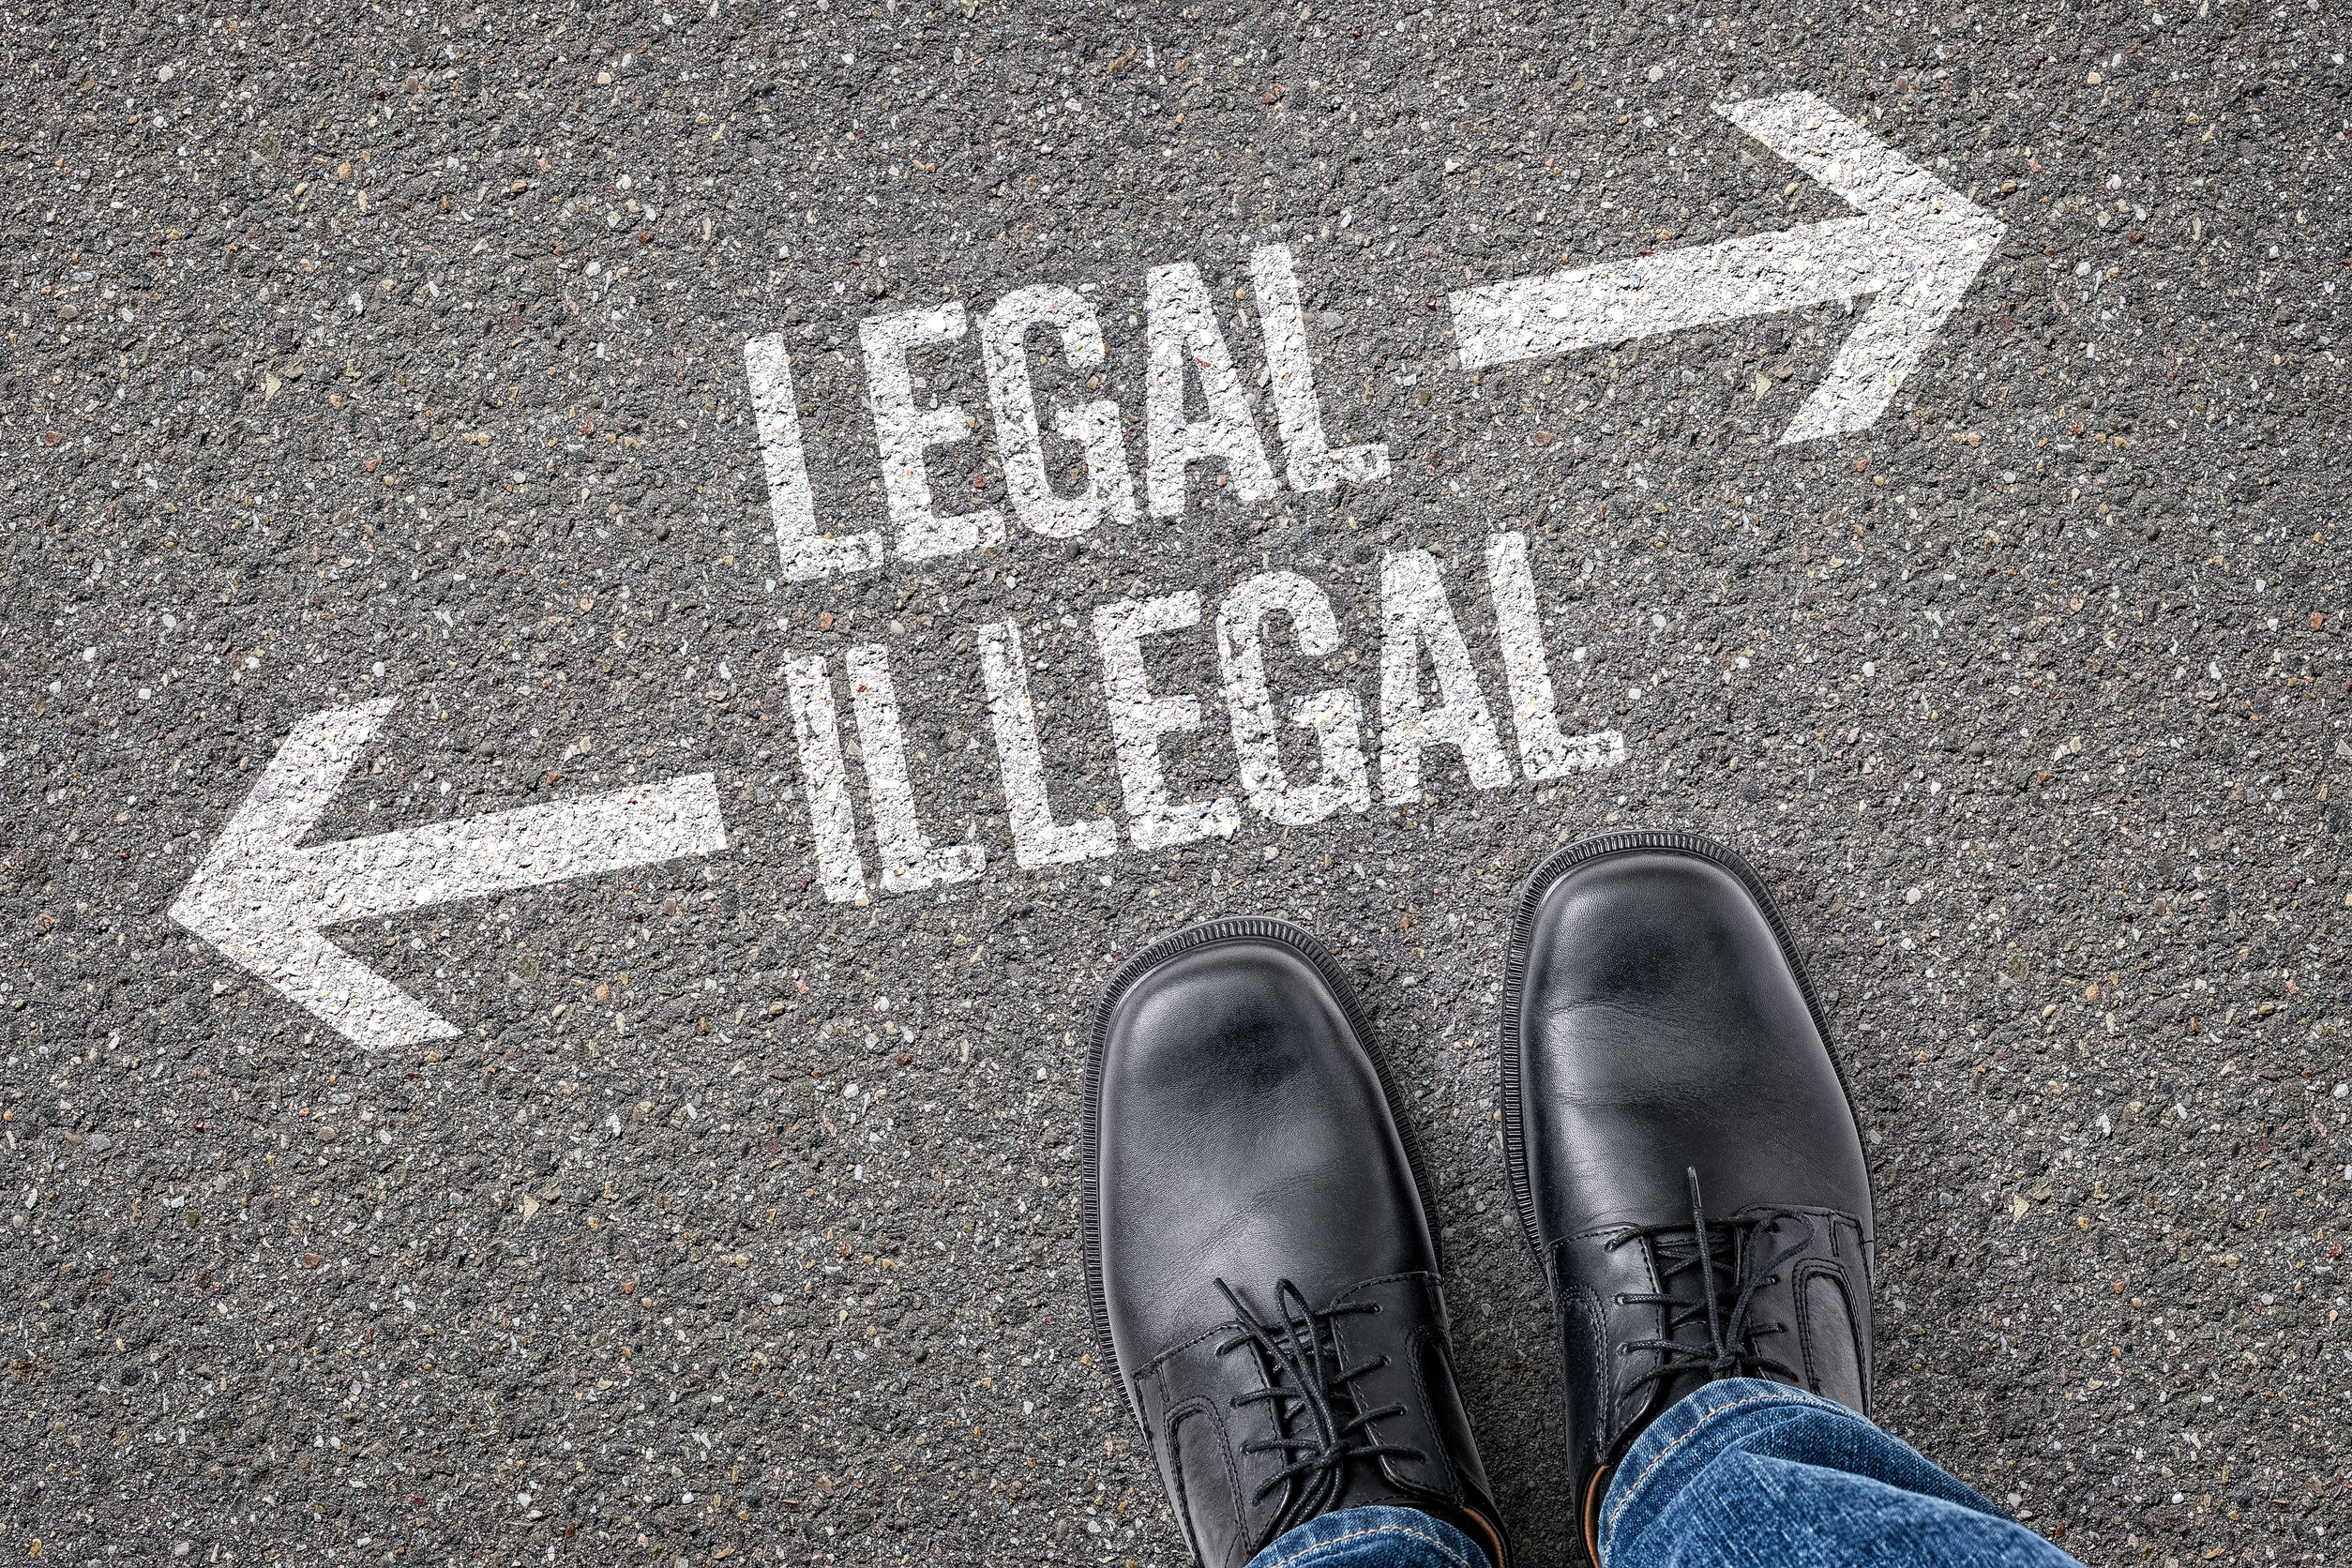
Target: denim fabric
(1750,1471)
(1372,1538)
(1740,1472)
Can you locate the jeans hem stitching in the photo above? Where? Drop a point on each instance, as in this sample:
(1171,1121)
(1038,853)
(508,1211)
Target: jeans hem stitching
(1793,1396)
(1376,1529)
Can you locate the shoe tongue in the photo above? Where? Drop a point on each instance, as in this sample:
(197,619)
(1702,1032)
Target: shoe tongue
(1355,1480)
(1217,1458)
(1360,1479)
(1639,1409)
(1731,1248)
(1319,1417)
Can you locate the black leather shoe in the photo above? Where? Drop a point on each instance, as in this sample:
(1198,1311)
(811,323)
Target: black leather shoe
(1685,1160)
(1258,1257)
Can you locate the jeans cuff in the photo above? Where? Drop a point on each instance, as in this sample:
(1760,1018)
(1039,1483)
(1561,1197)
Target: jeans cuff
(1373,1537)
(1684,1420)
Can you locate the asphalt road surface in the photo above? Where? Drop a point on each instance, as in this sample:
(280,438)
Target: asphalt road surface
(613,616)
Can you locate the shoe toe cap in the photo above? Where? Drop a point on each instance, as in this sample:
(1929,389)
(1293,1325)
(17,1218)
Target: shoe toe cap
(1660,1025)
(1241,1134)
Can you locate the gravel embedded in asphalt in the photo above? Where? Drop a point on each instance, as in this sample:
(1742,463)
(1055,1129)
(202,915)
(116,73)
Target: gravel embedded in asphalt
(402,357)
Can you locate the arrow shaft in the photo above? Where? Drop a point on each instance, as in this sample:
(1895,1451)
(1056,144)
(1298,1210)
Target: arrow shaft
(1761,275)
(1916,244)
(264,901)
(390,873)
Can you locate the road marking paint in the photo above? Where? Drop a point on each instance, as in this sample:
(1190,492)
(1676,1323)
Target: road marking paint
(1183,331)
(1037,838)
(264,902)
(1544,751)
(1138,717)
(1917,245)
(1414,614)
(906,431)
(911,862)
(1914,243)
(824,779)
(1313,465)
(1183,343)
(1110,493)
(1333,717)
(804,553)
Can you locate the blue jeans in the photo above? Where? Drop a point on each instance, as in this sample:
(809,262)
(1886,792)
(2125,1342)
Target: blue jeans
(1740,1472)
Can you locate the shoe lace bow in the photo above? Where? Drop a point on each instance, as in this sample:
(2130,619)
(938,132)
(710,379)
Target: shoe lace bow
(1319,1428)
(1722,1264)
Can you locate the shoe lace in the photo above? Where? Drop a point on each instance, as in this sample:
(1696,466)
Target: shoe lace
(1312,1396)
(1687,1256)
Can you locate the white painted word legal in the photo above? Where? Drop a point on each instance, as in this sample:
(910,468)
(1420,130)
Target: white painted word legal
(1187,349)
(264,901)
(1916,245)
(1419,635)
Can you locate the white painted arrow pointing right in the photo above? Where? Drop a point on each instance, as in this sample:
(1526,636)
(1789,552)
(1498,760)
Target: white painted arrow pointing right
(1917,245)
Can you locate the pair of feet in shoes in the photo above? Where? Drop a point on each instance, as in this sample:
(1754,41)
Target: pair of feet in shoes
(1260,1257)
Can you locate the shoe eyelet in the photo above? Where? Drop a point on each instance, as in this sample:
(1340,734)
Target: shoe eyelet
(1624,1350)
(1620,1298)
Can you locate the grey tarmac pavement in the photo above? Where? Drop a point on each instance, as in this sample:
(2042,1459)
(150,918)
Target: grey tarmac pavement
(377,390)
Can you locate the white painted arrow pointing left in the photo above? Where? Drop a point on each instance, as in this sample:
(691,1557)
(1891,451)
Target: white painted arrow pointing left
(264,902)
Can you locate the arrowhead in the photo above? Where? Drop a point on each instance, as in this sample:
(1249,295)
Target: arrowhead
(259,898)
(265,902)
(1936,241)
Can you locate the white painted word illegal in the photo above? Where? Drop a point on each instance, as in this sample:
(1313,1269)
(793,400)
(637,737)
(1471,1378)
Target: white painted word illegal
(1418,633)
